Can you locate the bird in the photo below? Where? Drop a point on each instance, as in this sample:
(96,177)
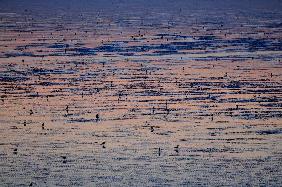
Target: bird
(42,126)
(176,149)
(167,111)
(97,117)
(152,129)
(103,144)
(64,159)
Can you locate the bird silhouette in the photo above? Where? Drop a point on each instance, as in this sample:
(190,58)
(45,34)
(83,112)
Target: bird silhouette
(176,149)
(97,117)
(103,144)
(64,159)
(152,129)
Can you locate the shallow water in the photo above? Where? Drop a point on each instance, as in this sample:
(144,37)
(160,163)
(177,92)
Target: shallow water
(188,93)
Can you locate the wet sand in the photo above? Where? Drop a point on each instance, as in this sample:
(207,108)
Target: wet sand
(138,96)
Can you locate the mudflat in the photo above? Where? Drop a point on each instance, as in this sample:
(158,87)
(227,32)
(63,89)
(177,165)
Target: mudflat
(140,93)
